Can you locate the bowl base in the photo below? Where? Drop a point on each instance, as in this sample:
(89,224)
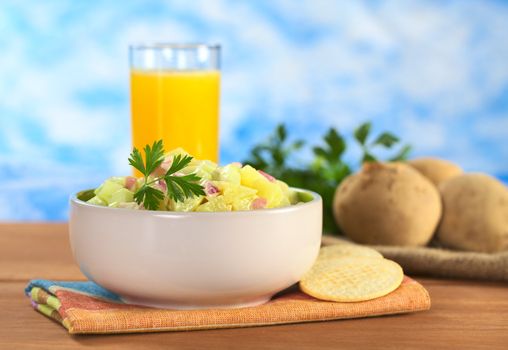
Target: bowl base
(177,306)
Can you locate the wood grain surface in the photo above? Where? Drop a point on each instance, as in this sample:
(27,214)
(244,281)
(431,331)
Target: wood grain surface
(464,314)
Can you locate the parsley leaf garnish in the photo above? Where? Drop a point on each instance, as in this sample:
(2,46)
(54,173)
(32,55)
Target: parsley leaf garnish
(149,196)
(179,187)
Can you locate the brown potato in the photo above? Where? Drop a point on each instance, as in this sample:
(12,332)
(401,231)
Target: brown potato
(435,169)
(387,204)
(475,214)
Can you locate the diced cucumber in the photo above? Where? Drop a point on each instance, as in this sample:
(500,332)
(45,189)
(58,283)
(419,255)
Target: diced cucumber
(106,190)
(118,179)
(202,168)
(229,173)
(304,197)
(97,201)
(123,195)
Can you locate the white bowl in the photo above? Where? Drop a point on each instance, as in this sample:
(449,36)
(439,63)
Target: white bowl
(195,260)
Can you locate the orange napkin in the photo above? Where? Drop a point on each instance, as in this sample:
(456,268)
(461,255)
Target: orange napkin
(85,308)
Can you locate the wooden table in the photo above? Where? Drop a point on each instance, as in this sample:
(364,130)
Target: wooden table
(464,314)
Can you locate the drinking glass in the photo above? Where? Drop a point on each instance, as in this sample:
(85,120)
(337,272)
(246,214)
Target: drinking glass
(175,91)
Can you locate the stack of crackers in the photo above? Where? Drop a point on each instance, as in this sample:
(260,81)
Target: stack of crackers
(347,272)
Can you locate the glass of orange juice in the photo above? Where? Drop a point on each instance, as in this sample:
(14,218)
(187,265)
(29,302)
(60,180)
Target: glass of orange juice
(175,97)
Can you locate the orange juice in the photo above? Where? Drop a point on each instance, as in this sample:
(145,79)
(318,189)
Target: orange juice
(179,107)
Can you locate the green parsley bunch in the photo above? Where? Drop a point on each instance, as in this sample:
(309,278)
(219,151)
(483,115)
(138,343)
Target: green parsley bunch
(178,187)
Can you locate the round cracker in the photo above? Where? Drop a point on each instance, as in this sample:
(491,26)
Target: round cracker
(345,250)
(351,279)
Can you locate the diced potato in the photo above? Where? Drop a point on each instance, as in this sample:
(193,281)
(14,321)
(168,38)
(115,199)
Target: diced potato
(242,203)
(290,197)
(188,204)
(270,190)
(214,204)
(250,177)
(238,196)
(232,192)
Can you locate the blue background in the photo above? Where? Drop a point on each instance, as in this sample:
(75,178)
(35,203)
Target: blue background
(433,72)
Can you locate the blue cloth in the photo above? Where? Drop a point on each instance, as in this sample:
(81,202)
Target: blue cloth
(88,287)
